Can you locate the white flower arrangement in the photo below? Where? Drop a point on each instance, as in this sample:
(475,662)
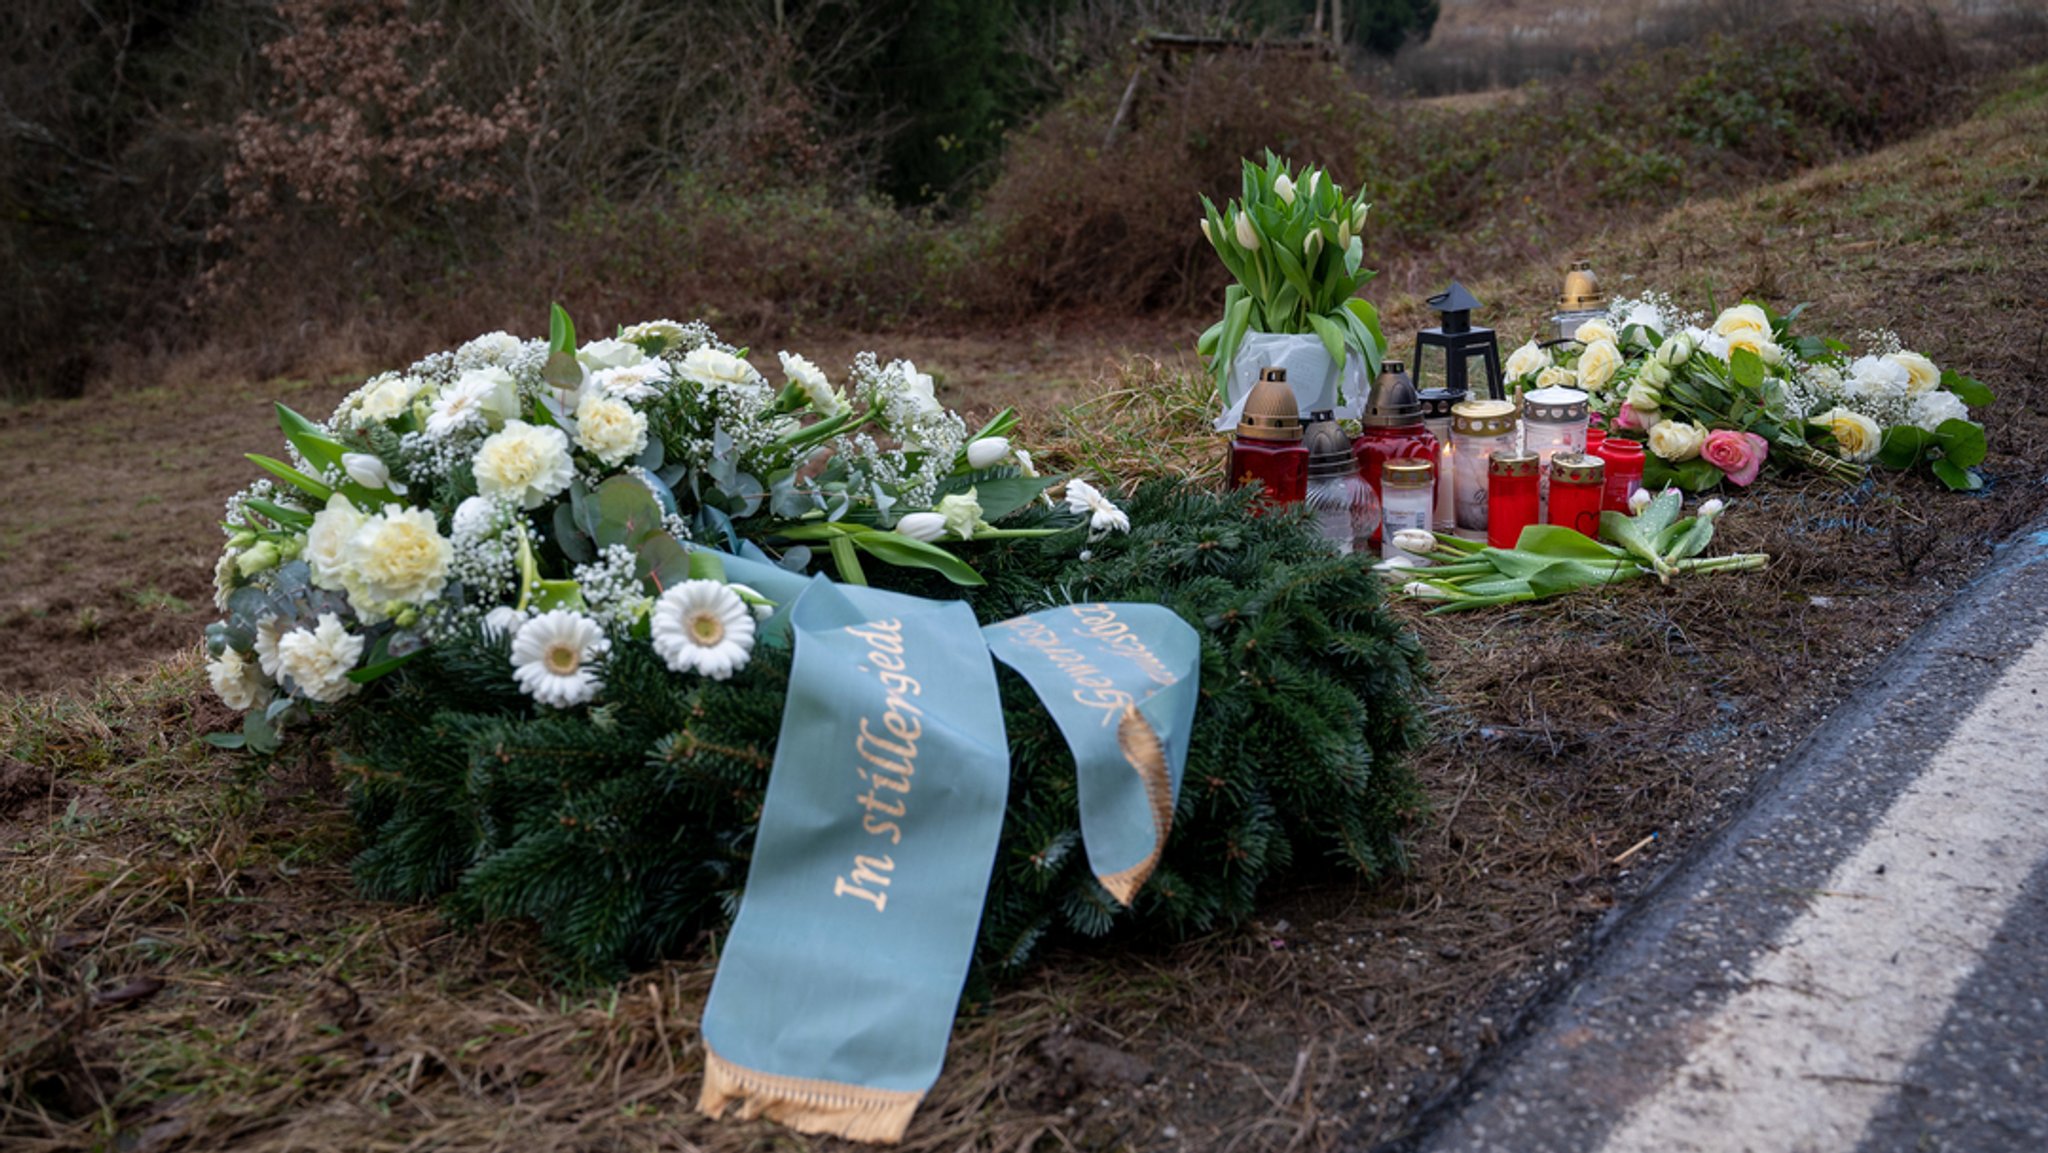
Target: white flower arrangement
(540,496)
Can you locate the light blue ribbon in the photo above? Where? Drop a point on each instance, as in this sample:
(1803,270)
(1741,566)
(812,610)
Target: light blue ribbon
(837,986)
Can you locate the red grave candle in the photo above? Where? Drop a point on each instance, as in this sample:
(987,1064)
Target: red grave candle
(1624,461)
(1576,484)
(1267,447)
(1512,496)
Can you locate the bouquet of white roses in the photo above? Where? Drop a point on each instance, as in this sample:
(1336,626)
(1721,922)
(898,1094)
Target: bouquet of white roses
(1714,402)
(541,492)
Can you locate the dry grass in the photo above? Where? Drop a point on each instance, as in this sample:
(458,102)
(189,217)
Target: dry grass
(184,965)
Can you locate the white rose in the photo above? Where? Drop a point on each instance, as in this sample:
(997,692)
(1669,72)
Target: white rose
(1743,320)
(1675,351)
(1529,359)
(524,463)
(660,333)
(1714,345)
(1598,364)
(1929,409)
(1654,374)
(1645,315)
(397,556)
(1676,441)
(602,354)
(318,660)
(327,542)
(715,369)
(988,452)
(1855,434)
(237,681)
(1593,330)
(962,514)
(1643,396)
(1921,375)
(1557,376)
(610,430)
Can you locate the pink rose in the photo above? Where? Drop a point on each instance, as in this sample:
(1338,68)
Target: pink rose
(1738,454)
(1626,417)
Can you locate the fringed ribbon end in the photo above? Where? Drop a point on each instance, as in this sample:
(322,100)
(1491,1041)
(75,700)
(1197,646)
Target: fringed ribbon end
(872,1116)
(1144,753)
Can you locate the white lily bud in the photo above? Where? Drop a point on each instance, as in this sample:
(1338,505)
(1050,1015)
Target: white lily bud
(370,472)
(988,452)
(1247,236)
(926,526)
(1638,501)
(1415,540)
(1284,188)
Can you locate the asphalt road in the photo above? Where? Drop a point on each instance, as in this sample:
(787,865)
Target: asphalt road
(1860,963)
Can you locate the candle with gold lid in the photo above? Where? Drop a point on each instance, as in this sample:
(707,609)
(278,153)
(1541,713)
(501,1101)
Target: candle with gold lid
(1267,447)
(1479,429)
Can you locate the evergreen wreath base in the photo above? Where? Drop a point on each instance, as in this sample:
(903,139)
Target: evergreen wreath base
(623,830)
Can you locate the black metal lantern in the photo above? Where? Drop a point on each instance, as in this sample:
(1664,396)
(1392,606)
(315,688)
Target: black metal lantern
(1462,357)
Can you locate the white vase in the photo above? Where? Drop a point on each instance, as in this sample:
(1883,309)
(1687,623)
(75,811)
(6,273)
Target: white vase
(1315,378)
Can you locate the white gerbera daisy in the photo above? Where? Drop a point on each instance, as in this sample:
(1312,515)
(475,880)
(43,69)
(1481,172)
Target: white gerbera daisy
(1103,515)
(553,657)
(703,626)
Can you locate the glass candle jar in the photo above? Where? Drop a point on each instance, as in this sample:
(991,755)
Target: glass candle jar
(1346,508)
(1479,428)
(1391,428)
(1576,484)
(1624,460)
(1510,496)
(1407,500)
(1267,447)
(1553,422)
(1437,404)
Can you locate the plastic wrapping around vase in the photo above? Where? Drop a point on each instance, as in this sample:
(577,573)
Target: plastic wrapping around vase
(1311,373)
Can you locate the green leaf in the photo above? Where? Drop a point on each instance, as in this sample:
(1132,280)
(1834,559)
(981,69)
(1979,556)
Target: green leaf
(1368,316)
(563,370)
(557,594)
(1333,338)
(287,517)
(316,489)
(320,450)
(907,552)
(1747,368)
(1962,442)
(569,538)
(561,330)
(1957,478)
(226,740)
(1903,446)
(663,563)
(258,736)
(846,559)
(368,673)
(625,513)
(1967,390)
(1553,540)
(999,496)
(1694,475)
(705,565)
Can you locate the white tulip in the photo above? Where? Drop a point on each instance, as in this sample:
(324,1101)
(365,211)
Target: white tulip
(926,526)
(1312,244)
(1247,236)
(1712,508)
(1284,188)
(988,452)
(1415,540)
(370,472)
(1206,234)
(1638,501)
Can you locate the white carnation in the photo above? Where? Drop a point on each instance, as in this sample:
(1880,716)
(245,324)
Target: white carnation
(396,556)
(490,348)
(468,402)
(318,660)
(714,369)
(269,631)
(633,382)
(824,399)
(609,429)
(1929,409)
(237,681)
(386,400)
(524,463)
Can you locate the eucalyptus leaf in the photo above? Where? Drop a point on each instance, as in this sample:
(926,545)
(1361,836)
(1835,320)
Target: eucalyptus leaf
(663,563)
(569,536)
(257,734)
(652,457)
(626,513)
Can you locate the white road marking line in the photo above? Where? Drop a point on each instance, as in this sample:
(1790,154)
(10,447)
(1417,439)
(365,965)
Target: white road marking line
(1835,1012)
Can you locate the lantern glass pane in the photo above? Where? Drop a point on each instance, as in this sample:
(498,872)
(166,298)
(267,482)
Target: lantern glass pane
(1478,381)
(1429,367)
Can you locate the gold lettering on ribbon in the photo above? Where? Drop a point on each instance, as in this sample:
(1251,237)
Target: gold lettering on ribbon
(885,760)
(1112,637)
